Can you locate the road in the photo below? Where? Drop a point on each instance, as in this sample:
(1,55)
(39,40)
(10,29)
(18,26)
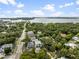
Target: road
(19,46)
(50,55)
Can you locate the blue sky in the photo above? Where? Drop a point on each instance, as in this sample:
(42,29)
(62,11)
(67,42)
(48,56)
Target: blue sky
(38,8)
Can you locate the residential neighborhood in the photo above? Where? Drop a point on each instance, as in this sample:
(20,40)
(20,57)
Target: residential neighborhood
(25,40)
(39,29)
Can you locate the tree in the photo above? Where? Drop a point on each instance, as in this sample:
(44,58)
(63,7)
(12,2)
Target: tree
(63,52)
(41,54)
(69,36)
(7,50)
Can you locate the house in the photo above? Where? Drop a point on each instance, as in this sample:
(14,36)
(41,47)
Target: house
(37,50)
(62,35)
(72,45)
(5,46)
(75,38)
(39,33)
(33,38)
(37,43)
(7,25)
(63,58)
(30,44)
(34,43)
(0,50)
(3,32)
(30,34)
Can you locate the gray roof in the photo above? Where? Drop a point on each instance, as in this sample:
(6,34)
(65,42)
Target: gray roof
(0,49)
(7,45)
(30,44)
(30,34)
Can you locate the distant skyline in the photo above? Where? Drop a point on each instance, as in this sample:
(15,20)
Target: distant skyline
(39,8)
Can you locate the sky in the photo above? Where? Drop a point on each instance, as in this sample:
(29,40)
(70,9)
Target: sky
(39,8)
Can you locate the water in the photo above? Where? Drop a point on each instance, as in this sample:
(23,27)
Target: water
(47,20)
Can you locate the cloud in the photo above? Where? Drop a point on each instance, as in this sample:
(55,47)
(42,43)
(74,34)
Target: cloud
(66,5)
(49,7)
(41,12)
(1,16)
(74,14)
(20,5)
(18,11)
(37,13)
(13,2)
(8,11)
(56,14)
(4,1)
(77,2)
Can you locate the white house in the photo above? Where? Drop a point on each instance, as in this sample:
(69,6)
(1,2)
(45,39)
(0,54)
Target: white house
(33,38)
(75,38)
(39,33)
(72,45)
(3,32)
(5,46)
(37,43)
(34,43)
(62,58)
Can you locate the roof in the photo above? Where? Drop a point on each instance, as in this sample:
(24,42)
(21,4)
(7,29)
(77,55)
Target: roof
(75,38)
(71,44)
(37,42)
(63,35)
(7,45)
(62,58)
(30,44)
(3,32)
(37,50)
(39,32)
(30,34)
(0,49)
(33,38)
